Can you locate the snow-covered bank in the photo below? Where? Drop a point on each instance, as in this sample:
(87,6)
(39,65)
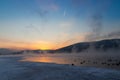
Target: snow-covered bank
(13,69)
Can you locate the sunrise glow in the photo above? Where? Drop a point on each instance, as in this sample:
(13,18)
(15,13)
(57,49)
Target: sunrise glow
(52,24)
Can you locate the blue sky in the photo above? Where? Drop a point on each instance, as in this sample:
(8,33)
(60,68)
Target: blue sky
(50,24)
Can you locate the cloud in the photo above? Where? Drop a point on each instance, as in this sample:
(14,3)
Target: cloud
(7,43)
(64,14)
(81,6)
(71,39)
(42,13)
(111,35)
(95,26)
(89,3)
(54,7)
(12,41)
(46,6)
(34,28)
(115,34)
(41,44)
(78,3)
(96,16)
(67,24)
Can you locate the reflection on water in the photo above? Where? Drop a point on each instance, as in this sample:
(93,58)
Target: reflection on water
(48,58)
(76,59)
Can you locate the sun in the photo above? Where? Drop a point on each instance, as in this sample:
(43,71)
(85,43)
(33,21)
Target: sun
(43,46)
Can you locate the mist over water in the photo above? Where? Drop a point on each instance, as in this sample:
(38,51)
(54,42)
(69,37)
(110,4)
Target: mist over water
(93,59)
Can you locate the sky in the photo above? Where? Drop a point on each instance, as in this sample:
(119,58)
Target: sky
(52,24)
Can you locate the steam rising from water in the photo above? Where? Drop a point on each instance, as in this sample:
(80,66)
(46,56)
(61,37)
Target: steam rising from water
(96,27)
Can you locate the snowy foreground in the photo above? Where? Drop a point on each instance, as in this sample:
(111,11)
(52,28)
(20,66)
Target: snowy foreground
(11,68)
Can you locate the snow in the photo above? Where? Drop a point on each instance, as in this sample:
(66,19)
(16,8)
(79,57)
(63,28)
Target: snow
(11,68)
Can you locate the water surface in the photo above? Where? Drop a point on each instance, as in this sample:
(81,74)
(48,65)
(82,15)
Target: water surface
(77,60)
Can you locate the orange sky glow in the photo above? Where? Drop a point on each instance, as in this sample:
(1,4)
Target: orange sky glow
(44,45)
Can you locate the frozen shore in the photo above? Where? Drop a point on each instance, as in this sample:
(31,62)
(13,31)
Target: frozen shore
(11,68)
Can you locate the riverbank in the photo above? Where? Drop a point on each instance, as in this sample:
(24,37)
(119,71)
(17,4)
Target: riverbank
(11,68)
